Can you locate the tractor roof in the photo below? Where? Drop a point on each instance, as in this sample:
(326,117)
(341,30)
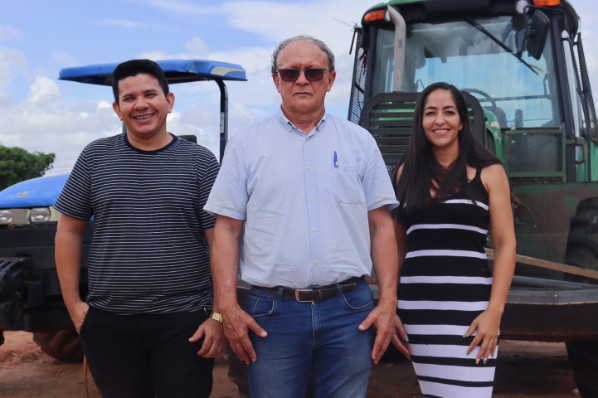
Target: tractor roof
(176,71)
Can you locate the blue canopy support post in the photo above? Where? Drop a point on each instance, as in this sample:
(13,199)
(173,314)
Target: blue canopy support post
(223,117)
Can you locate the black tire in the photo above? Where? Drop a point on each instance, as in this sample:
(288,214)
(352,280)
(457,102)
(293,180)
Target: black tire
(583,358)
(582,243)
(62,344)
(582,251)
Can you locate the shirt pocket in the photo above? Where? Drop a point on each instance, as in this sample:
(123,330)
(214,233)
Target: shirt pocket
(347,187)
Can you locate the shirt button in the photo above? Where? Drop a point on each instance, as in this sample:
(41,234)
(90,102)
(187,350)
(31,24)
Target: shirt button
(311,198)
(317,261)
(308,168)
(314,229)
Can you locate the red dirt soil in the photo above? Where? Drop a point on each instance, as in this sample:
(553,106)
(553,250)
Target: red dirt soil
(525,369)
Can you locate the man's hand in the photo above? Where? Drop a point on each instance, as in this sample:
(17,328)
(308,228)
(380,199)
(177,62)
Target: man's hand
(78,312)
(69,232)
(385,260)
(382,318)
(214,342)
(237,324)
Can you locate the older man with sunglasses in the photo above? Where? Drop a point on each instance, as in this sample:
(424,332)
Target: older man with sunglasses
(302,203)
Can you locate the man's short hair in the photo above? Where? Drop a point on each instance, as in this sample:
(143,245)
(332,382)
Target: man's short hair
(135,67)
(310,39)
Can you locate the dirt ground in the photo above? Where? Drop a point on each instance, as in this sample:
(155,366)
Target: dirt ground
(525,369)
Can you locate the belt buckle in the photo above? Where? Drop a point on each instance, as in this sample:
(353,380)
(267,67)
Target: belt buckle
(299,291)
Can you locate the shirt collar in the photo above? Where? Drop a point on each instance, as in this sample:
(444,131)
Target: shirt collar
(289,126)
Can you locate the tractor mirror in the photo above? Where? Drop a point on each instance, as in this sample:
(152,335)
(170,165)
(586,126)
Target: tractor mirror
(537,32)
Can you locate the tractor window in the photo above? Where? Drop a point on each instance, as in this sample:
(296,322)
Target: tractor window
(520,95)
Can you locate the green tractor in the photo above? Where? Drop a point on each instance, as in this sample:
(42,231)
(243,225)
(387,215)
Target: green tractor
(522,69)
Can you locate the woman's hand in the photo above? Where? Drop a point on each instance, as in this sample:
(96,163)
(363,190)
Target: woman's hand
(487,325)
(400,337)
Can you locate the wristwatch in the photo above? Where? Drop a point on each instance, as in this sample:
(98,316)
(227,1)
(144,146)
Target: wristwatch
(216,316)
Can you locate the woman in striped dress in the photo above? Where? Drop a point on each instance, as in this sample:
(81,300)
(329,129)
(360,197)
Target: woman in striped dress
(452,192)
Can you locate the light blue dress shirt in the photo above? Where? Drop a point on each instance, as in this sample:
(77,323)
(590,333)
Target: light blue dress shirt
(304,199)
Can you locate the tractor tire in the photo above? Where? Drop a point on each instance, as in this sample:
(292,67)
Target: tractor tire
(62,344)
(582,243)
(583,358)
(582,251)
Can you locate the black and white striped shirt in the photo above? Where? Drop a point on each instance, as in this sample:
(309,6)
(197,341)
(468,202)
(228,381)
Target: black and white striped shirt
(149,253)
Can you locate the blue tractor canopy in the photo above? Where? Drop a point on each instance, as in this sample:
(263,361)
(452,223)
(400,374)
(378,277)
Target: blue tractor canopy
(176,71)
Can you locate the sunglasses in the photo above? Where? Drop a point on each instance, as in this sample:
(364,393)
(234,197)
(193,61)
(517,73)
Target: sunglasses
(311,74)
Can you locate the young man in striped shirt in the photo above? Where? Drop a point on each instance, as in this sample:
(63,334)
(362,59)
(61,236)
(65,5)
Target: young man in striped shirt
(145,325)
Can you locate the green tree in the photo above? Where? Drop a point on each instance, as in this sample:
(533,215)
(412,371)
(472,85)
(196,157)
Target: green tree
(16,164)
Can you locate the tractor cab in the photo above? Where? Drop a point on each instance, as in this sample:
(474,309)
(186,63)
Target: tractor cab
(523,61)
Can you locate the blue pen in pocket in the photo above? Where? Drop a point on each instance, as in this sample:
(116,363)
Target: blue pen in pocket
(334,159)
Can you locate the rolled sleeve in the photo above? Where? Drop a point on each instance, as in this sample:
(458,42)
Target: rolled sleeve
(229,194)
(377,184)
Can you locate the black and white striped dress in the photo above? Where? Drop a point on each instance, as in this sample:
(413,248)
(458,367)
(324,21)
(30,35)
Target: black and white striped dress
(445,283)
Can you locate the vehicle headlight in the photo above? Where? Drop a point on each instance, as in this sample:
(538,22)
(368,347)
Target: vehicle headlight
(40,214)
(22,217)
(5,216)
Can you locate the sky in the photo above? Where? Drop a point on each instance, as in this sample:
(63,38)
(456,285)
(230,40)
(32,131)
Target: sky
(38,38)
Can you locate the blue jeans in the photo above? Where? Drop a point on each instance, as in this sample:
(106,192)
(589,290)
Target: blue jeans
(321,337)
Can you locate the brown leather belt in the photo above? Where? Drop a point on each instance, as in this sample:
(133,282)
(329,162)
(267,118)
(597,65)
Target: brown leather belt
(315,294)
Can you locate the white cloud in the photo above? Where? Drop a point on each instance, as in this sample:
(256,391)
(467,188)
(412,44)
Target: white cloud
(253,59)
(8,33)
(181,7)
(43,91)
(331,21)
(123,23)
(12,62)
(157,55)
(130,24)
(196,46)
(64,58)
(104,105)
(43,123)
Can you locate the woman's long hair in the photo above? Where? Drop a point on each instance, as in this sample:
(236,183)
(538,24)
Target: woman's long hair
(421,168)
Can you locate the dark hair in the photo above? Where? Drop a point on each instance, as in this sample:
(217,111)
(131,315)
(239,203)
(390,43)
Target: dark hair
(135,67)
(420,166)
(310,39)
